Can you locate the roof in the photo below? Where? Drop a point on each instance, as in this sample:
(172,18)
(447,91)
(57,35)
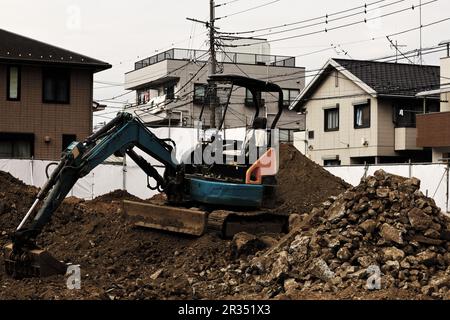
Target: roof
(378,78)
(432,93)
(16,48)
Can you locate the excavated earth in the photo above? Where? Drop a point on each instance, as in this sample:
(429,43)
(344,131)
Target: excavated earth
(120,261)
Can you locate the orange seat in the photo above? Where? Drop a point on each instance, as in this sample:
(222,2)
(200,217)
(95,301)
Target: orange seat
(267,165)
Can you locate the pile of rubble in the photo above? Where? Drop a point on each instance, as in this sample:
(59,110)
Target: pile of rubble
(381,234)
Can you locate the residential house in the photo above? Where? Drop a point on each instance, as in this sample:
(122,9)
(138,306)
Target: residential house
(433,129)
(46,97)
(171,88)
(361,112)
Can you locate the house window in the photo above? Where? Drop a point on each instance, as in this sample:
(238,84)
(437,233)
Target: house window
(13,83)
(16,146)
(289,96)
(362,116)
(67,139)
(199,93)
(56,86)
(332,119)
(331,163)
(249,98)
(336,79)
(143,96)
(287,135)
(169,91)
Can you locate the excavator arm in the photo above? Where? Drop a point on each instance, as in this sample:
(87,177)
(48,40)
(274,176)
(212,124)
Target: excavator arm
(119,137)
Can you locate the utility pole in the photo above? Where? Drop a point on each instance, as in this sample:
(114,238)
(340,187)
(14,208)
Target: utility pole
(212,62)
(212,92)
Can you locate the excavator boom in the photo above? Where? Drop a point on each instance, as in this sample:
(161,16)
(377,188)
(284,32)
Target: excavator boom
(22,257)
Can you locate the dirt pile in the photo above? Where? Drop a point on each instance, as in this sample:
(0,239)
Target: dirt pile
(117,260)
(15,199)
(303,184)
(383,234)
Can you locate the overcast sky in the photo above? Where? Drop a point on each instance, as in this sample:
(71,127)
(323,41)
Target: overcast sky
(122,32)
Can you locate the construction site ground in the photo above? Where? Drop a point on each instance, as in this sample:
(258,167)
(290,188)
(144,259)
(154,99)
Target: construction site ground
(121,261)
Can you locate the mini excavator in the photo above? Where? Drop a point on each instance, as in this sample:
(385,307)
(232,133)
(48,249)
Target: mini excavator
(227,196)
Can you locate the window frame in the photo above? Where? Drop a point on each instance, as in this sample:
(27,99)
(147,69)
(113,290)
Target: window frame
(169,91)
(19,137)
(8,83)
(57,75)
(249,98)
(355,109)
(198,99)
(288,100)
(325,113)
(290,135)
(332,163)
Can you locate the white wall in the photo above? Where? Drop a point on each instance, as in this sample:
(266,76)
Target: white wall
(109,177)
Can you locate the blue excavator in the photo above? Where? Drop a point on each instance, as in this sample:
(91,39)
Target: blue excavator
(226,196)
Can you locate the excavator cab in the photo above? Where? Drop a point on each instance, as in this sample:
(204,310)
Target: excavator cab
(226,197)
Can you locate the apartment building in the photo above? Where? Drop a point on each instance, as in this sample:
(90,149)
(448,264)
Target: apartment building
(365,112)
(46,97)
(171,88)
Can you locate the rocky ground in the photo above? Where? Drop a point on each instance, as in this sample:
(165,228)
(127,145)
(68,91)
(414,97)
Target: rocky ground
(383,234)
(336,237)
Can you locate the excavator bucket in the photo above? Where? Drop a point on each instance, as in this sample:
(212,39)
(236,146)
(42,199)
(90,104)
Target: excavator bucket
(163,217)
(31,263)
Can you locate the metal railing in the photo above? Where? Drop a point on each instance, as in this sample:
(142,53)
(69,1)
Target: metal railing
(229,57)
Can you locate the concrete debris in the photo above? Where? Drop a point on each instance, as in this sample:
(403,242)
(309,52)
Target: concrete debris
(384,228)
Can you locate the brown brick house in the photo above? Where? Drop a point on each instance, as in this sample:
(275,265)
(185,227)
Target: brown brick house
(46,97)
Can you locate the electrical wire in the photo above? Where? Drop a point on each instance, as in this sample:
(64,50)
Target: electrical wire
(248,10)
(305,20)
(326,30)
(330,20)
(226,3)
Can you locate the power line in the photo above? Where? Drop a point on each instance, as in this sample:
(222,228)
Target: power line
(355,42)
(247,10)
(326,30)
(226,3)
(330,20)
(306,20)
(115,97)
(317,51)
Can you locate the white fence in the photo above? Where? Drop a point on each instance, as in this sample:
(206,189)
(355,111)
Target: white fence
(434,177)
(109,177)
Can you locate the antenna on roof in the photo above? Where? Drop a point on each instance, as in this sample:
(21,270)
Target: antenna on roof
(420,30)
(396,46)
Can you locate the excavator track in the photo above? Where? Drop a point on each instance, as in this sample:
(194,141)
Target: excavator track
(195,222)
(229,223)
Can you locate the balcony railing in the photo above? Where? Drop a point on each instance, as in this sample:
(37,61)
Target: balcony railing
(228,57)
